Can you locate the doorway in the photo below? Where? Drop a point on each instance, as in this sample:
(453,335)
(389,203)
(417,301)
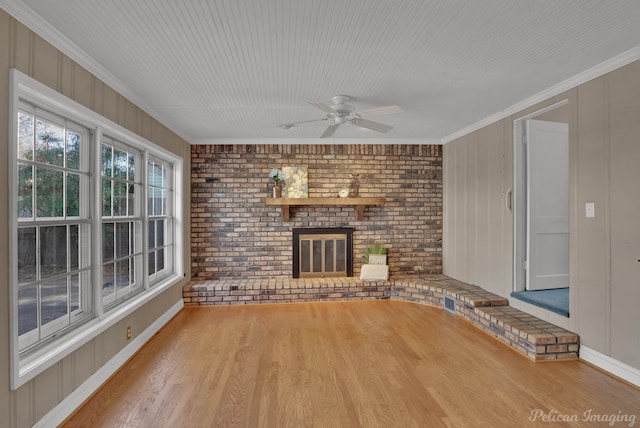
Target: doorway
(541,205)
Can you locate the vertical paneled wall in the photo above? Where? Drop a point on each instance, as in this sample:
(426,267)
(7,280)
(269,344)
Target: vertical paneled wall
(22,49)
(603,116)
(234,233)
(624,197)
(477,224)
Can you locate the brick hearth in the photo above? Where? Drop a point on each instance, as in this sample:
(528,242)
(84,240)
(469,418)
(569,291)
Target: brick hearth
(537,339)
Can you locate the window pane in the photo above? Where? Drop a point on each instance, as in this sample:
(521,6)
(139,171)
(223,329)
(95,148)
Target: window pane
(49,188)
(49,143)
(107,160)
(74,247)
(152,234)
(160,259)
(74,293)
(149,201)
(73,150)
(108,280)
(122,277)
(119,199)
(158,201)
(73,195)
(25,191)
(54,299)
(152,262)
(132,167)
(160,232)
(26,255)
(106,198)
(53,250)
(120,164)
(108,247)
(123,238)
(27,308)
(159,176)
(131,199)
(25,136)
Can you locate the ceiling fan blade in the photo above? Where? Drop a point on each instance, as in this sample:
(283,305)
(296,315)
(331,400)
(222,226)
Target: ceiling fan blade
(380,111)
(329,131)
(322,106)
(369,124)
(292,124)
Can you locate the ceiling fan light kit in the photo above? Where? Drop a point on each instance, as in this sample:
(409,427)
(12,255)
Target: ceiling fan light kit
(340,112)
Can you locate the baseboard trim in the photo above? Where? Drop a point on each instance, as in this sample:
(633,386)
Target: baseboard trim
(610,365)
(67,406)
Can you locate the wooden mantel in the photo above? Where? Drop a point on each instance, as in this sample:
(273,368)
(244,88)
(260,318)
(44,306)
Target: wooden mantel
(358,203)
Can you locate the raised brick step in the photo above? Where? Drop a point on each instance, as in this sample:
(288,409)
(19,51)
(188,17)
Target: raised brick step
(537,339)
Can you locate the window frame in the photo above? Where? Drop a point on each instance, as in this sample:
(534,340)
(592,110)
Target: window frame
(73,317)
(137,217)
(47,353)
(168,227)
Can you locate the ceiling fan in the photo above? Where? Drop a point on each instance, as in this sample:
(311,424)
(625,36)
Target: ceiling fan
(340,112)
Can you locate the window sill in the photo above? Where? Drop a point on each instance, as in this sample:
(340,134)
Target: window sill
(43,358)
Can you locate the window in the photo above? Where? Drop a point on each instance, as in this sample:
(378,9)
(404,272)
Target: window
(93,231)
(121,222)
(53,244)
(159,202)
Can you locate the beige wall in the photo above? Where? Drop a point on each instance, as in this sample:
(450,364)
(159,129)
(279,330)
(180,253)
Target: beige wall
(604,130)
(22,49)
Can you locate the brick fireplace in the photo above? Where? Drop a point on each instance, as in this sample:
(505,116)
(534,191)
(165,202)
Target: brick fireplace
(234,234)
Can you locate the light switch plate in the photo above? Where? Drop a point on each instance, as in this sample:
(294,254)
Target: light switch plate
(590,209)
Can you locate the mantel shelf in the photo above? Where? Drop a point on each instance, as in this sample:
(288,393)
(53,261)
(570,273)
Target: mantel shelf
(358,203)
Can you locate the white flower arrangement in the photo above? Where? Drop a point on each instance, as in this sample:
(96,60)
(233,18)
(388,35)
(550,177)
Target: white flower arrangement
(276,175)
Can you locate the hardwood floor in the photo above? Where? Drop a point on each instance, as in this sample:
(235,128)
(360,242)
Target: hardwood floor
(345,364)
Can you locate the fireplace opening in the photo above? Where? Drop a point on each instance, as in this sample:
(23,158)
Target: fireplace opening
(322,252)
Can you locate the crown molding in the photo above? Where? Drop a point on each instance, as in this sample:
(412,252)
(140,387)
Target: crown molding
(316,141)
(42,28)
(601,69)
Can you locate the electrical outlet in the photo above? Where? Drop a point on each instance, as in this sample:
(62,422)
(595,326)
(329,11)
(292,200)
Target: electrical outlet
(128,332)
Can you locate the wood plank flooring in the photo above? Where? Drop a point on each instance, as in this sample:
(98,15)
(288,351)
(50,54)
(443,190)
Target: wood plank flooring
(344,364)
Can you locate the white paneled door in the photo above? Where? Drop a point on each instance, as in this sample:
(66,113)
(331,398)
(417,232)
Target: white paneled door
(547,264)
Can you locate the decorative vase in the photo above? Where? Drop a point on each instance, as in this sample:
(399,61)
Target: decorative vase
(277,191)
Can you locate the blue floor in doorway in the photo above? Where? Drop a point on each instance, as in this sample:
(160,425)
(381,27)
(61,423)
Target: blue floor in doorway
(556,300)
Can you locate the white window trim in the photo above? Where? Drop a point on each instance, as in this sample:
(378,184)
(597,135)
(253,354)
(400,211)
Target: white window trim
(27,368)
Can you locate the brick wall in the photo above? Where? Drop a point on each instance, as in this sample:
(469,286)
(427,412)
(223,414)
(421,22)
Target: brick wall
(234,234)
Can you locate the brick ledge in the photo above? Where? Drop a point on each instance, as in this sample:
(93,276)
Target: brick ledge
(537,339)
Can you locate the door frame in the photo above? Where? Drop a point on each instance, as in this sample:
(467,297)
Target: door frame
(517,198)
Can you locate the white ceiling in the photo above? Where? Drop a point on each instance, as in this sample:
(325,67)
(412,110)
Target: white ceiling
(230,71)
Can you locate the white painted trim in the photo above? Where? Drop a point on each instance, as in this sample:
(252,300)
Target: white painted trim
(599,70)
(611,365)
(67,406)
(313,141)
(41,27)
